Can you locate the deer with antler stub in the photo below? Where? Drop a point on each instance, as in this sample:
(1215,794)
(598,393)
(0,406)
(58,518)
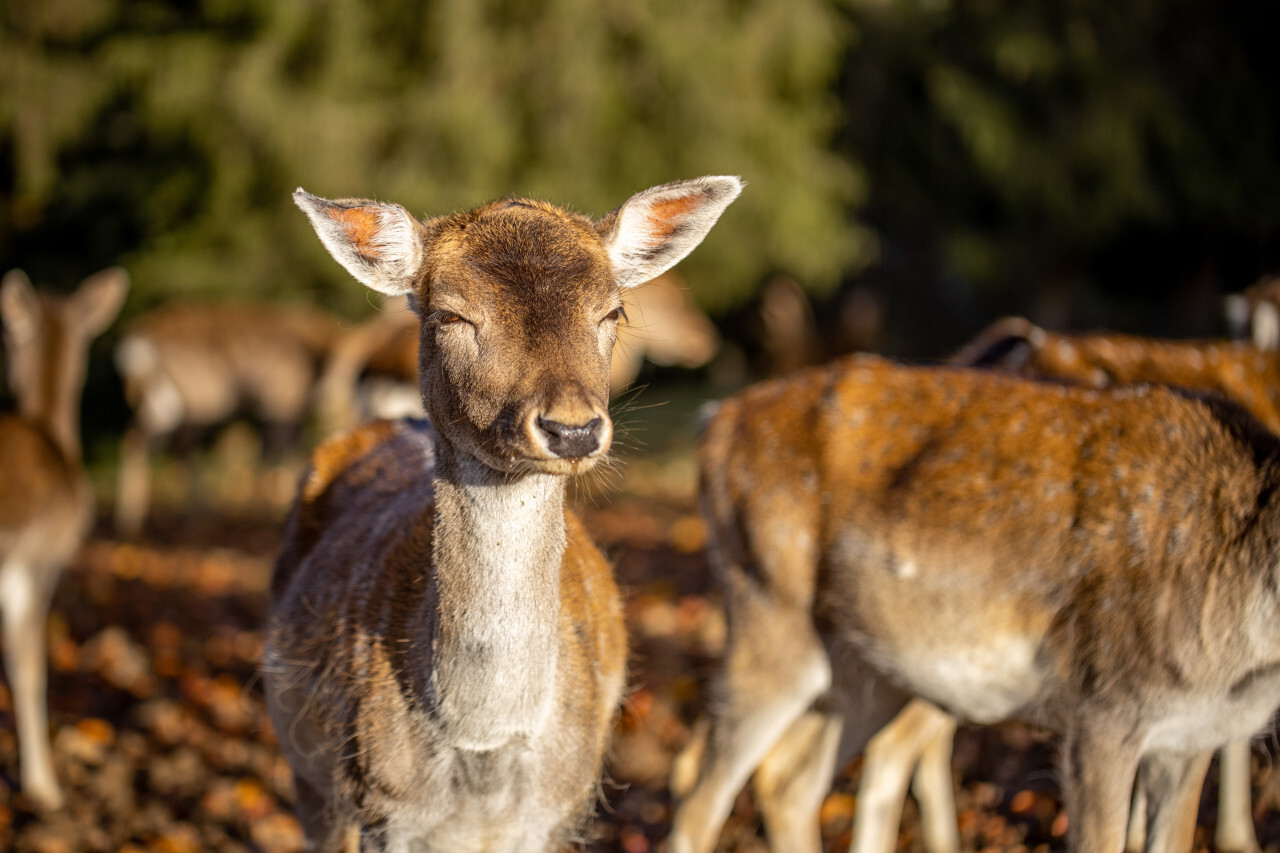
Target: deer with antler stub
(1103,561)
(46,504)
(445,653)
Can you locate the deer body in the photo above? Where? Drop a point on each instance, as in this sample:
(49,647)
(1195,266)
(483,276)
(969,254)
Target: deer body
(1101,562)
(46,504)
(446,649)
(200,365)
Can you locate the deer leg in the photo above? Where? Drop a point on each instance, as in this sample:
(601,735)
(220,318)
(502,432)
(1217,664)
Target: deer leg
(890,757)
(1099,762)
(1172,782)
(25,592)
(793,779)
(133,487)
(1136,836)
(934,787)
(1235,832)
(771,677)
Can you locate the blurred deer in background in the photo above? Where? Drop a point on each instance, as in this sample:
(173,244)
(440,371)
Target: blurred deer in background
(372,371)
(446,650)
(663,325)
(194,366)
(1255,313)
(46,504)
(1100,561)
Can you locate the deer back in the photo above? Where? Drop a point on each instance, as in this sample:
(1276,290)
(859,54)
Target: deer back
(200,364)
(1238,371)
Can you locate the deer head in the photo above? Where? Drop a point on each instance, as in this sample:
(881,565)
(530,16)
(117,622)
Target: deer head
(519,304)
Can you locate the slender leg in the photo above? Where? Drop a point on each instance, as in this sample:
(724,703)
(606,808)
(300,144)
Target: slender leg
(793,779)
(770,679)
(133,486)
(684,768)
(935,789)
(1136,837)
(25,592)
(890,758)
(1099,763)
(1235,832)
(1172,782)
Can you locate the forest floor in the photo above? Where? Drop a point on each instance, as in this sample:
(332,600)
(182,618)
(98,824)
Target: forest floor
(162,741)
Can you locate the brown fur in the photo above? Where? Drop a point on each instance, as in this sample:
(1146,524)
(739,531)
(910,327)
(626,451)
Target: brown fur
(46,504)
(446,649)
(1102,562)
(199,365)
(1236,371)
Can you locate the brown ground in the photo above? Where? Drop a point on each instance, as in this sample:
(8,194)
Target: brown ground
(162,740)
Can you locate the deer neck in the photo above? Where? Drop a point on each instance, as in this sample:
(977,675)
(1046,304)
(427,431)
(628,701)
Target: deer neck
(498,541)
(53,406)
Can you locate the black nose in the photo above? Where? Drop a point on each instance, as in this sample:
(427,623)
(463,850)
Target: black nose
(567,441)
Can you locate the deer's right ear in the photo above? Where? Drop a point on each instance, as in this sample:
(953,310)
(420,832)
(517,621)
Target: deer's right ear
(654,229)
(19,305)
(380,244)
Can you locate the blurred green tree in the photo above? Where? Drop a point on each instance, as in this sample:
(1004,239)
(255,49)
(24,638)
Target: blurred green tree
(169,135)
(1088,162)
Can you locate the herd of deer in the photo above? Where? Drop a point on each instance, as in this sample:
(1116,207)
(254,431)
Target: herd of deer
(1087,538)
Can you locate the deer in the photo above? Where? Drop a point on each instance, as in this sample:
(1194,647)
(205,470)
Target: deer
(917,744)
(445,651)
(1099,561)
(196,365)
(46,503)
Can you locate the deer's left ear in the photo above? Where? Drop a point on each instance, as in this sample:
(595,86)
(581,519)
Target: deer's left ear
(656,228)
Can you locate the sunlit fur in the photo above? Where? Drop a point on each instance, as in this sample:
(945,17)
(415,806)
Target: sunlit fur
(445,655)
(905,527)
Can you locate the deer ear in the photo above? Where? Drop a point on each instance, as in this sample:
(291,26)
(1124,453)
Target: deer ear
(655,229)
(19,305)
(100,297)
(380,244)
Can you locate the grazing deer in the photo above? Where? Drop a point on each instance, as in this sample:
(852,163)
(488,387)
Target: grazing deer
(46,504)
(188,365)
(446,650)
(1255,313)
(1099,561)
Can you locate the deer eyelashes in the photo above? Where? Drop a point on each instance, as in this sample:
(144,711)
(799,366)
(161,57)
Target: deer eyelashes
(448,318)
